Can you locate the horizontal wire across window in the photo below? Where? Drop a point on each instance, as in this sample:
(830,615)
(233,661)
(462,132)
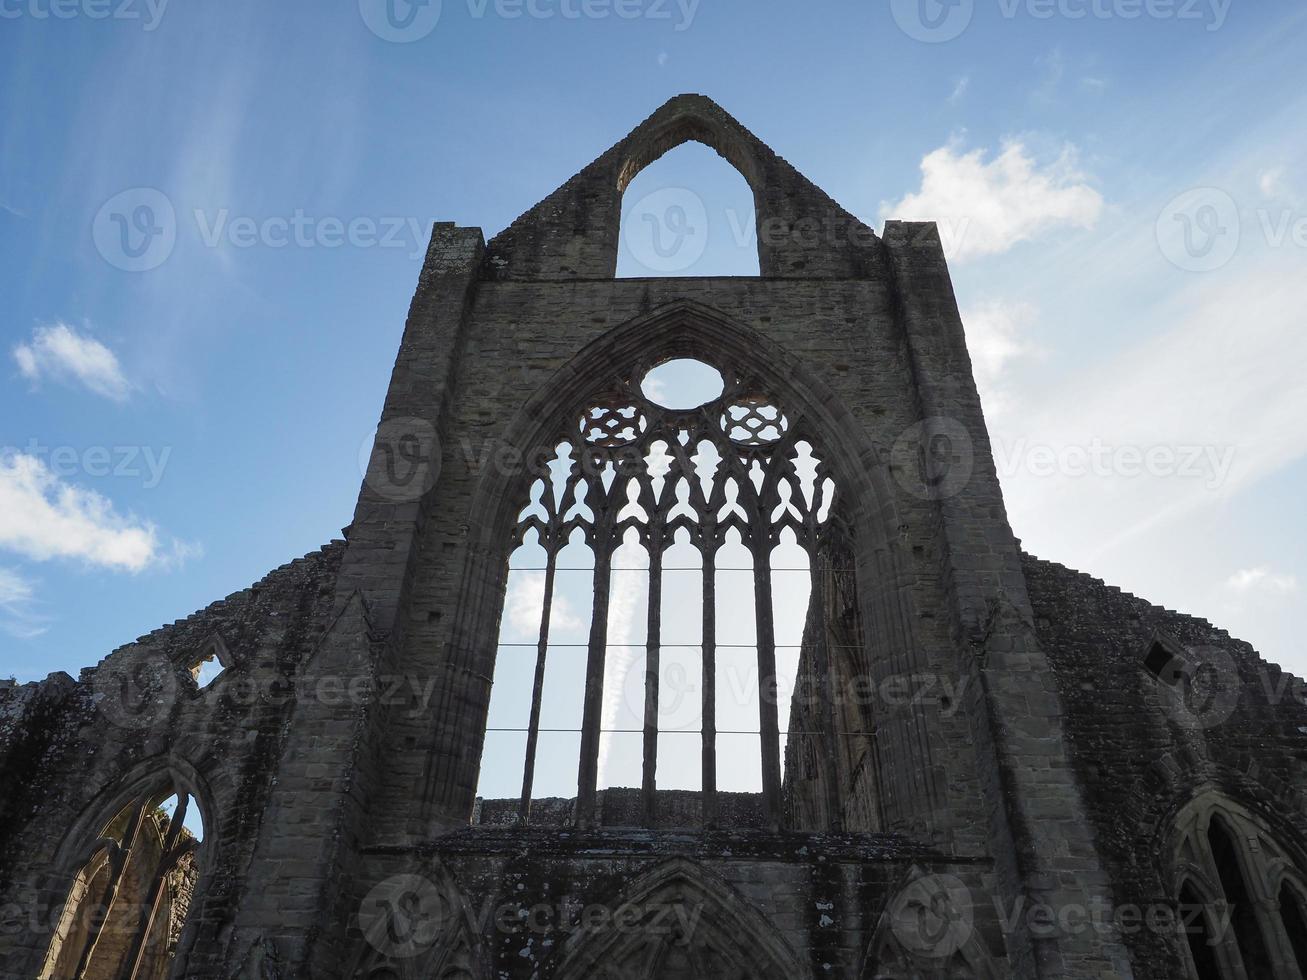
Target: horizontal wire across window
(739,474)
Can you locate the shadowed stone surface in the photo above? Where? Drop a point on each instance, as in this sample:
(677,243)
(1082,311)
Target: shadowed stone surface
(967,831)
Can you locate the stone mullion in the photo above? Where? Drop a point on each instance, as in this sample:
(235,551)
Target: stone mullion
(592,712)
(652,678)
(821,665)
(708,660)
(538,685)
(1266,905)
(172,850)
(768,726)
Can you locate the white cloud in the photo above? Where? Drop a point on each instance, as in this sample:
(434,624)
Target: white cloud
(995,330)
(60,352)
(1233,419)
(526,602)
(42,517)
(1261,580)
(960,90)
(986,207)
(17,617)
(1271,182)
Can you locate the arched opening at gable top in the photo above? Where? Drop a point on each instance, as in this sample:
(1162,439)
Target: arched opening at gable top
(131,891)
(689,213)
(679,591)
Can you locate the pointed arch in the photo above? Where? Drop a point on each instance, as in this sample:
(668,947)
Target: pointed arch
(1239,863)
(129,874)
(573,232)
(683,329)
(928,930)
(693,120)
(454,953)
(683,918)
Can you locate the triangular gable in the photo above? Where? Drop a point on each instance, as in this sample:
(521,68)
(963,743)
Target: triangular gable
(573,232)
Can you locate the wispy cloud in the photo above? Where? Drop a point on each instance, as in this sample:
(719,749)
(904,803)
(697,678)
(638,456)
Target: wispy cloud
(18,616)
(960,90)
(43,517)
(1235,420)
(1261,580)
(985,207)
(996,335)
(60,353)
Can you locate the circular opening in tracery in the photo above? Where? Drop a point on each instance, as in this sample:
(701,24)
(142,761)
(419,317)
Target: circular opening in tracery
(683,384)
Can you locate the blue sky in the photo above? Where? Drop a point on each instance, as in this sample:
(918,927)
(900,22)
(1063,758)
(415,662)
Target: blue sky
(172,434)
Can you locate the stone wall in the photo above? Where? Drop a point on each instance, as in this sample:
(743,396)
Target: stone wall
(1139,754)
(73,750)
(336,759)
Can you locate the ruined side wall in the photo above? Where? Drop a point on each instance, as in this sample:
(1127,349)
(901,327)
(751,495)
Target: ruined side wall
(531,898)
(1137,759)
(69,749)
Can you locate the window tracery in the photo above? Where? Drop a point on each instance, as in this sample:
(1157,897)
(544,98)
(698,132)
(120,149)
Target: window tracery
(1240,890)
(128,901)
(640,485)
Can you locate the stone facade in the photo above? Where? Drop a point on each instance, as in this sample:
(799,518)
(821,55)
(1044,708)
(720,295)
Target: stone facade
(1090,755)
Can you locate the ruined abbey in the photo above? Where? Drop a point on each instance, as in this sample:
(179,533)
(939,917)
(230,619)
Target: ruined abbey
(955,760)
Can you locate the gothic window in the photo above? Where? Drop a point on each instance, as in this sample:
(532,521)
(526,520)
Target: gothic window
(1201,937)
(1240,892)
(127,902)
(656,604)
(689,213)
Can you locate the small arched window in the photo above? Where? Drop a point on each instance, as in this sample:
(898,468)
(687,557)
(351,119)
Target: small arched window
(673,545)
(128,900)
